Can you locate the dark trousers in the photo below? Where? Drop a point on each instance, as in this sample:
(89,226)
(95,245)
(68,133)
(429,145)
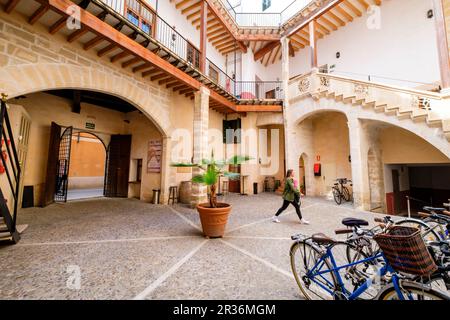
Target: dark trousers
(286,204)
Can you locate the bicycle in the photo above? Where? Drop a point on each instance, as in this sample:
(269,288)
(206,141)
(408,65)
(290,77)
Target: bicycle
(432,224)
(340,191)
(319,274)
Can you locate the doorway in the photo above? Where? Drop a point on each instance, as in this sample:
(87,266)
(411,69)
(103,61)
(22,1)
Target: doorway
(86,174)
(302,174)
(234,185)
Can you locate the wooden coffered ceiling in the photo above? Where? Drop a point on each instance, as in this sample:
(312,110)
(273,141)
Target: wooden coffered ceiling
(342,12)
(219,33)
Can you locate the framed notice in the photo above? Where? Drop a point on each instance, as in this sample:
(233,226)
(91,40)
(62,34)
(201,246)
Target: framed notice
(154,156)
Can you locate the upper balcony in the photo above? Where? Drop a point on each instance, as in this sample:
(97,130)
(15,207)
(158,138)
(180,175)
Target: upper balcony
(270,18)
(130,33)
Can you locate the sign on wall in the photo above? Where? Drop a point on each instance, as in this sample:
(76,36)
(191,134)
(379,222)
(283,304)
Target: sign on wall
(154,156)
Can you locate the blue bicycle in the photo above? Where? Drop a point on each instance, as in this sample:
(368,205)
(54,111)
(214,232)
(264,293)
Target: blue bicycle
(328,269)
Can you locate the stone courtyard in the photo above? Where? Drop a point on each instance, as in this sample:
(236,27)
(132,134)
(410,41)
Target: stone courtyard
(127,249)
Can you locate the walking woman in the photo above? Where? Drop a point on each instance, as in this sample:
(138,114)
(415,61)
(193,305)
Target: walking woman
(291,195)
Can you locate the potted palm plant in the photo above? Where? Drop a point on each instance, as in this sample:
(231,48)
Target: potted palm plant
(214,214)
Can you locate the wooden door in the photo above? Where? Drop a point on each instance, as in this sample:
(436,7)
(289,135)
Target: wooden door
(118,166)
(22,150)
(396,191)
(52,162)
(234,185)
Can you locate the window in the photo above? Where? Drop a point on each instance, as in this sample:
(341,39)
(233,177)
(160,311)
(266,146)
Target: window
(232,131)
(270,94)
(266,4)
(213,74)
(193,55)
(141,16)
(139,170)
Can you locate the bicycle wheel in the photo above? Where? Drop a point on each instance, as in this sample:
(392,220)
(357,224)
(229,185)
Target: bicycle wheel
(337,195)
(353,276)
(412,291)
(438,282)
(345,193)
(428,234)
(303,258)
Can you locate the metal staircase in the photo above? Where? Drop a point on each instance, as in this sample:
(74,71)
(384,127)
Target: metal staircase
(10,170)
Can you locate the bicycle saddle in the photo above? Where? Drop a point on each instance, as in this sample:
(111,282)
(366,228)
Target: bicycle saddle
(354,222)
(432,209)
(320,238)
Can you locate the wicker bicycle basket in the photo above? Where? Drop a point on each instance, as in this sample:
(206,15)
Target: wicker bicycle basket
(405,251)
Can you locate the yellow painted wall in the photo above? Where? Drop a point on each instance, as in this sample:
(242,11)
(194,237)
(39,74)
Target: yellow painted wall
(331,143)
(402,147)
(44,108)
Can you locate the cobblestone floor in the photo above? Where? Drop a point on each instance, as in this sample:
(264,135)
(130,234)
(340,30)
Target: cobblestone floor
(127,249)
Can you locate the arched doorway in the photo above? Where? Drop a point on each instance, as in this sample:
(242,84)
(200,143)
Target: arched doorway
(86,176)
(57,169)
(376,179)
(302,173)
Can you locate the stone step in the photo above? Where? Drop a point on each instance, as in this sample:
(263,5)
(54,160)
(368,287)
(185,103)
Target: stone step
(419,115)
(380,107)
(434,123)
(369,104)
(359,101)
(347,99)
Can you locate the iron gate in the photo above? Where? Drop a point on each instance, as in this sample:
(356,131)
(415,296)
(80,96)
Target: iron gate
(62,169)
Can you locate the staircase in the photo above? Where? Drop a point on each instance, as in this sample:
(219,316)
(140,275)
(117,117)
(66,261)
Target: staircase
(9,181)
(403,103)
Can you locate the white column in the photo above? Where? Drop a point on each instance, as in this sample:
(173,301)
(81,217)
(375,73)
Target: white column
(290,163)
(359,167)
(201,124)
(167,172)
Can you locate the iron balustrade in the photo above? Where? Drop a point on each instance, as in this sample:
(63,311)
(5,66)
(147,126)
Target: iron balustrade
(173,41)
(259,90)
(265,19)
(221,78)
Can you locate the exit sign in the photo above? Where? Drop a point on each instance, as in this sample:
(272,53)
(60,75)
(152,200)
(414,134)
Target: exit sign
(90,125)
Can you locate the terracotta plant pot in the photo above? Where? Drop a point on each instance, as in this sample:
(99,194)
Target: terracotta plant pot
(214,220)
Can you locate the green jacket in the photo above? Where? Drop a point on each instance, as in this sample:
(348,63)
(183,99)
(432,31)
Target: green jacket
(289,190)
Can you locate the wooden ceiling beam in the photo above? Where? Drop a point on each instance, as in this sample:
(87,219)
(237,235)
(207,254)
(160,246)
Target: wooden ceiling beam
(342,11)
(131,62)
(38,14)
(313,15)
(267,48)
(353,8)
(191,7)
(11,5)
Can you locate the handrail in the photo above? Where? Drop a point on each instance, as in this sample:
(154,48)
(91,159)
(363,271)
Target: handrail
(14,177)
(253,16)
(427,94)
(171,40)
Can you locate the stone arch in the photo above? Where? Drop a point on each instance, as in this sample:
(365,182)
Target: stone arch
(376,180)
(434,136)
(304,172)
(24,79)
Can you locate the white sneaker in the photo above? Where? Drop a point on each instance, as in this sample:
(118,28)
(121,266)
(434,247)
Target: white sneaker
(303,221)
(275,219)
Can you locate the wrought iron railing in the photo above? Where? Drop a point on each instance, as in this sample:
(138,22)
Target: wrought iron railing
(265,19)
(174,42)
(221,78)
(260,90)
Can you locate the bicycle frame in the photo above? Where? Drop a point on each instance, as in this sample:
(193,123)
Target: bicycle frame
(341,286)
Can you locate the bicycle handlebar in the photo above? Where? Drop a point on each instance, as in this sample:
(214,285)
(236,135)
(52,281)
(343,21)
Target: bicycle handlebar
(343,231)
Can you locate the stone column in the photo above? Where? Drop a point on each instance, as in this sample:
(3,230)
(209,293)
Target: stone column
(357,164)
(167,172)
(200,141)
(285,86)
